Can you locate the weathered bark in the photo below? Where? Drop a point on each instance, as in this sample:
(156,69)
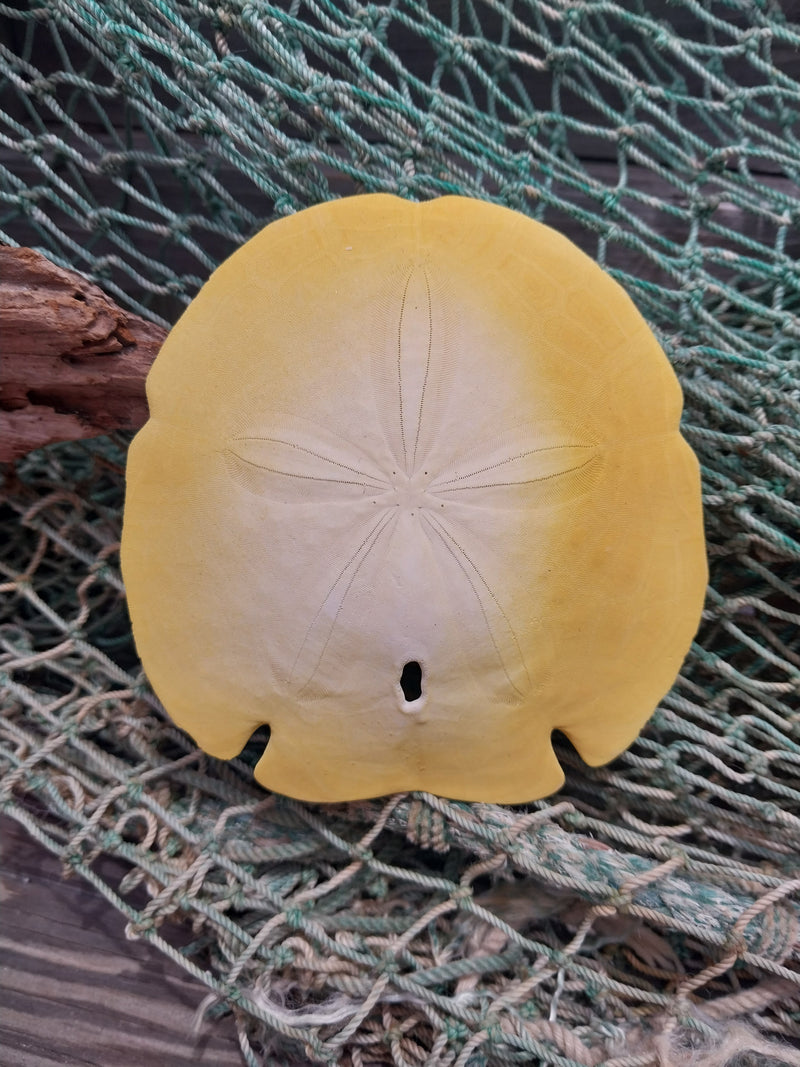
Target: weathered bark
(72,363)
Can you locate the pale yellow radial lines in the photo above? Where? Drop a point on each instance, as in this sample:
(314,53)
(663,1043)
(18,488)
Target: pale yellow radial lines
(354,564)
(466,565)
(523,481)
(287,459)
(400,369)
(308,451)
(427,367)
(307,477)
(450,486)
(414,353)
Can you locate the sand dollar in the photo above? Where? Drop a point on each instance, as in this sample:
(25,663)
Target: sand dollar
(413,493)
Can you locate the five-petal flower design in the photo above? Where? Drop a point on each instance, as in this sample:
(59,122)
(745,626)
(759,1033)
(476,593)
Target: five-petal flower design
(445,488)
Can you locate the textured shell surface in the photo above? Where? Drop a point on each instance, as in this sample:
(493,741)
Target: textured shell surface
(413,493)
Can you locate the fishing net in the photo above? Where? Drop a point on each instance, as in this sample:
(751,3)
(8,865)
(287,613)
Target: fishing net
(647,913)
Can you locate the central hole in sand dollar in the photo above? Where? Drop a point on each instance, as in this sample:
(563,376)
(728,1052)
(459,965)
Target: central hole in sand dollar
(411,681)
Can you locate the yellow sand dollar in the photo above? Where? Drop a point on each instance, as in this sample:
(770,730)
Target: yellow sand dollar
(413,493)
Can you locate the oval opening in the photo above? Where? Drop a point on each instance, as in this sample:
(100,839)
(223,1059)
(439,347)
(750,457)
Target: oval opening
(411,681)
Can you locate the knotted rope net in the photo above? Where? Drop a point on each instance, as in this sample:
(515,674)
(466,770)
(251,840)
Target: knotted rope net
(649,912)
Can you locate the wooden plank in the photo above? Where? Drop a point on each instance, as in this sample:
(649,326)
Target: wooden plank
(75,991)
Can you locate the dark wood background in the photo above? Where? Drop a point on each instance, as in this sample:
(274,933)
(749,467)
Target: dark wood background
(74,991)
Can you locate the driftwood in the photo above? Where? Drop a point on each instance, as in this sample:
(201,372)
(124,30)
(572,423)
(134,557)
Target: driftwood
(72,363)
